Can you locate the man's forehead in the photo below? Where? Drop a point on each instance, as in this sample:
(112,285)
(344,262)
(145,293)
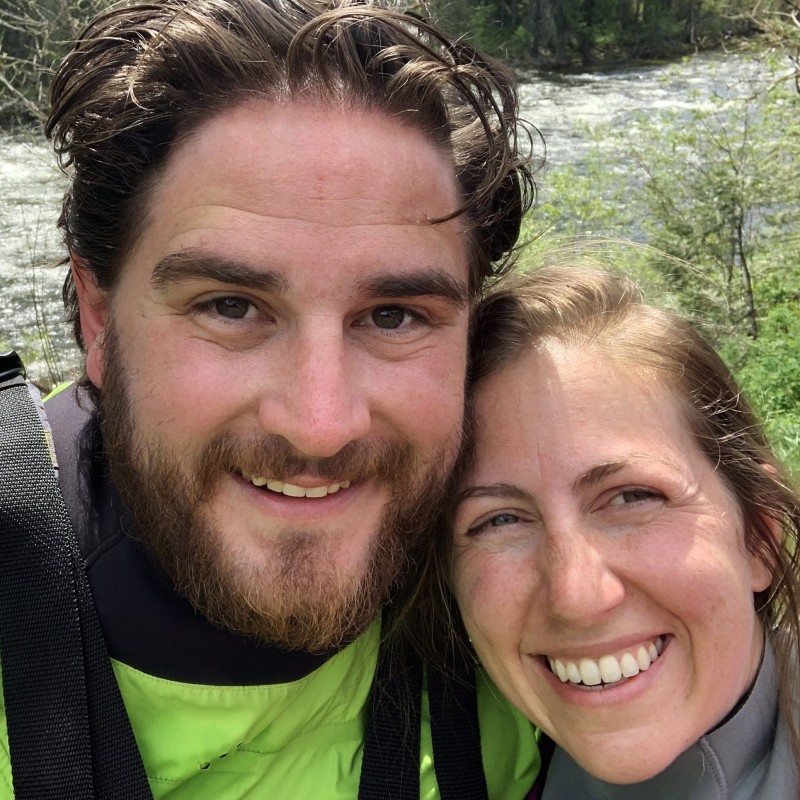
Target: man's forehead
(289,194)
(322,156)
(275,187)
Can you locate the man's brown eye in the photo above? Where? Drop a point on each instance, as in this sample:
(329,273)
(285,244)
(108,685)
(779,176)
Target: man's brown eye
(232,307)
(389,317)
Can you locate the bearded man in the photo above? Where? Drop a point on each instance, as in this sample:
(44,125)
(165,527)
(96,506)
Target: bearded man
(278,215)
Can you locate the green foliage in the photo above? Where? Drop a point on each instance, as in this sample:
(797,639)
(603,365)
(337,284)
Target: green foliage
(778,23)
(498,28)
(769,370)
(34,35)
(717,185)
(714,194)
(562,32)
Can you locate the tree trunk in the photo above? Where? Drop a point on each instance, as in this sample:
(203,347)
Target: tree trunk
(747,283)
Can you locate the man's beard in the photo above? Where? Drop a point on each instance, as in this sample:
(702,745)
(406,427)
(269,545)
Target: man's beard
(303,601)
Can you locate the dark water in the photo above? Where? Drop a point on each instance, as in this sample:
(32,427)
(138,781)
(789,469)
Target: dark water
(561,106)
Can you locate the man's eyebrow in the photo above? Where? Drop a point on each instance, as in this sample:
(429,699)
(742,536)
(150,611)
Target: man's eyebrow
(191,265)
(598,473)
(502,491)
(422,283)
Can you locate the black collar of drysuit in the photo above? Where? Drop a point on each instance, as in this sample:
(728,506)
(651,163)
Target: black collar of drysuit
(146,623)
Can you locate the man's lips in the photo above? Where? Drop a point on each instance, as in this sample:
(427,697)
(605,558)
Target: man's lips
(292,489)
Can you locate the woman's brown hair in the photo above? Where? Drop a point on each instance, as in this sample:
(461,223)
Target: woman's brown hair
(581,306)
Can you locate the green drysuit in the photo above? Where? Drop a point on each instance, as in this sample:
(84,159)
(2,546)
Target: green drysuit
(295,740)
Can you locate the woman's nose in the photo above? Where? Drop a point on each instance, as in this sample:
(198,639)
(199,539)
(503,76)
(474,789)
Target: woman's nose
(580,585)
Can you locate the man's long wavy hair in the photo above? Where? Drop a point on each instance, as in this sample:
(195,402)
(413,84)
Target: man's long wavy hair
(142,78)
(582,306)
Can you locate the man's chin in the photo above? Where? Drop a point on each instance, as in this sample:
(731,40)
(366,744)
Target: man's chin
(305,605)
(304,590)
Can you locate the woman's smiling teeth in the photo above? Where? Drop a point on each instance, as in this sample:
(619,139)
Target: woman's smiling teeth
(607,669)
(292,489)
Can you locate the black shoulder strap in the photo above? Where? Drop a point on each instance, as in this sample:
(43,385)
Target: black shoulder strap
(69,735)
(456,736)
(390,765)
(391,762)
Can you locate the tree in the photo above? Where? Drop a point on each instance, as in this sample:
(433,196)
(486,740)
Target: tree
(713,196)
(720,183)
(34,35)
(717,187)
(559,32)
(779,24)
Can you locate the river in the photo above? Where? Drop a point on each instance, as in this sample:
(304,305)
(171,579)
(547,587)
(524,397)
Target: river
(561,106)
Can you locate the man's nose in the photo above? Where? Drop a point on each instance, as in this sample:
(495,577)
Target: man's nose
(318,401)
(579,582)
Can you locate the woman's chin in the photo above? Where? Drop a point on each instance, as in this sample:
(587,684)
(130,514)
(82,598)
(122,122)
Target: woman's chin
(629,773)
(636,768)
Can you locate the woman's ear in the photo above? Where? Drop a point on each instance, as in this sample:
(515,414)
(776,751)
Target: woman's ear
(762,573)
(93,306)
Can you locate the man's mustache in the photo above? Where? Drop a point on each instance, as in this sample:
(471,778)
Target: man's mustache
(275,457)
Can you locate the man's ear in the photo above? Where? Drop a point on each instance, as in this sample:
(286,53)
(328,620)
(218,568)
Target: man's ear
(93,305)
(761,573)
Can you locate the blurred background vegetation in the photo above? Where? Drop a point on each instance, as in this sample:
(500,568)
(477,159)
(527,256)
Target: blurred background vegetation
(710,195)
(710,198)
(585,32)
(34,34)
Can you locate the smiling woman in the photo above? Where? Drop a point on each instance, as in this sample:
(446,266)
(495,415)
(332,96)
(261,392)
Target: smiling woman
(624,548)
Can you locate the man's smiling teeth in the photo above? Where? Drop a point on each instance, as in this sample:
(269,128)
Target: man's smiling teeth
(291,489)
(607,669)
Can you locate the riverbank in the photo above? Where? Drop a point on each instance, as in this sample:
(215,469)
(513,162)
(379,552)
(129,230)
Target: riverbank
(606,131)
(23,96)
(563,106)
(610,57)
(570,34)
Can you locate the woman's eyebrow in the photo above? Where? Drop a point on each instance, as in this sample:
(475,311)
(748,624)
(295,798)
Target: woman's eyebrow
(598,473)
(510,491)
(505,491)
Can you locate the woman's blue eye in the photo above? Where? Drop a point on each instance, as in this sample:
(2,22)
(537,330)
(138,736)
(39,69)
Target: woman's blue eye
(497,521)
(631,496)
(503,519)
